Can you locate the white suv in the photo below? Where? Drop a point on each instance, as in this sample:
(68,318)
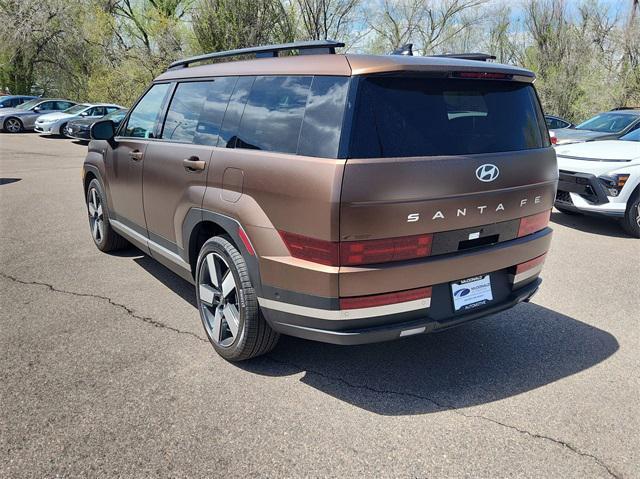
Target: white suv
(602,177)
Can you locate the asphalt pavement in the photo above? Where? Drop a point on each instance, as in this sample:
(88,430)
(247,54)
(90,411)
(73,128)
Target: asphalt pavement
(105,370)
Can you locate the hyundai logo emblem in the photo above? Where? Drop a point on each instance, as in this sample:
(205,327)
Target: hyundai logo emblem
(487,172)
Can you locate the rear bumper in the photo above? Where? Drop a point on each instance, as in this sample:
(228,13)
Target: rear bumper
(320,318)
(402,326)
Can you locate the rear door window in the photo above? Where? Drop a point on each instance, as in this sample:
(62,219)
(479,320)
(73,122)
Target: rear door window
(213,110)
(184,111)
(229,131)
(273,114)
(143,118)
(412,116)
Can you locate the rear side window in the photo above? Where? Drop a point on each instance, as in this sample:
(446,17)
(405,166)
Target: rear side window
(184,111)
(411,116)
(273,114)
(143,118)
(322,125)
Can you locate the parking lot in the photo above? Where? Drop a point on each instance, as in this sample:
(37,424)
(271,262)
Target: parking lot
(105,370)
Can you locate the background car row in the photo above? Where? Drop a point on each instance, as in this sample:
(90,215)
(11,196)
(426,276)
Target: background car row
(53,116)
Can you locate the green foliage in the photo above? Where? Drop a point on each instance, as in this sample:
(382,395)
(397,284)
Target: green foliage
(586,54)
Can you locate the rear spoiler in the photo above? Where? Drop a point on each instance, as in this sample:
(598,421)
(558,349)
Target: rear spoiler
(481,57)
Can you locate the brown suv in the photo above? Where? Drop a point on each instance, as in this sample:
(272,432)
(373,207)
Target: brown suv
(340,198)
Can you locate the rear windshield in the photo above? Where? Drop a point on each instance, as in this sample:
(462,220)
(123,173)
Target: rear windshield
(408,116)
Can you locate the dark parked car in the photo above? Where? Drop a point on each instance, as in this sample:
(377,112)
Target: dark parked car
(610,125)
(557,123)
(12,101)
(80,129)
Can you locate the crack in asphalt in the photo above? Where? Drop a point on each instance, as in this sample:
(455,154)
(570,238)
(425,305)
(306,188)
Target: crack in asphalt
(130,312)
(452,409)
(335,379)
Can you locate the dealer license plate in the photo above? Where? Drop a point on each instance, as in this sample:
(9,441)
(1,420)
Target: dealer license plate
(471,292)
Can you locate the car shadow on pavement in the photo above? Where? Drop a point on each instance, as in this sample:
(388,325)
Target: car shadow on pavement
(491,359)
(590,224)
(175,283)
(6,181)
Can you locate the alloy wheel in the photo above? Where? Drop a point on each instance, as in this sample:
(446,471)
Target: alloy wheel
(13,125)
(218,300)
(96,215)
(638,214)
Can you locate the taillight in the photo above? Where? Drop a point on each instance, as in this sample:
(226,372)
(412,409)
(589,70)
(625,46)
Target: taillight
(522,267)
(533,223)
(383,299)
(384,250)
(553,138)
(352,253)
(311,249)
(483,75)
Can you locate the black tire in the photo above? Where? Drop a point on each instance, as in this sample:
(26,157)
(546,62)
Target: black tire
(253,336)
(568,212)
(8,125)
(62,128)
(631,220)
(107,239)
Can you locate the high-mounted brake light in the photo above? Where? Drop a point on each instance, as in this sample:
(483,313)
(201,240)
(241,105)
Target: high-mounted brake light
(387,298)
(483,75)
(533,223)
(352,253)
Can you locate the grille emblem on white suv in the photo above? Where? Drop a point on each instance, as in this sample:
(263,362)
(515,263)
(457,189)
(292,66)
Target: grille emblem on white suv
(487,172)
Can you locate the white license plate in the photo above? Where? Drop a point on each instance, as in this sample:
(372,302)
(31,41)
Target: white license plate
(471,293)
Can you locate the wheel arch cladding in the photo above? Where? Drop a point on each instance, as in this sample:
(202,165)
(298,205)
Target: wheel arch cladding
(200,225)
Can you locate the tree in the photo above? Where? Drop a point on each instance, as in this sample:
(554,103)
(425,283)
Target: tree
(327,19)
(230,24)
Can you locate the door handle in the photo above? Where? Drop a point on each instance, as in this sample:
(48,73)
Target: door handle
(135,155)
(193,164)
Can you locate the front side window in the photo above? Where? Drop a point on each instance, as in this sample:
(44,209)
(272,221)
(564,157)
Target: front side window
(47,106)
(143,118)
(74,110)
(273,114)
(184,111)
(412,116)
(65,105)
(29,104)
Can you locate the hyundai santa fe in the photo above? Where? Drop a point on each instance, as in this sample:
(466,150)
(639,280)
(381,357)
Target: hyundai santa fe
(340,198)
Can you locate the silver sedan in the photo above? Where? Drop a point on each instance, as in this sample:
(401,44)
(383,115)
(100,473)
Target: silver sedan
(23,117)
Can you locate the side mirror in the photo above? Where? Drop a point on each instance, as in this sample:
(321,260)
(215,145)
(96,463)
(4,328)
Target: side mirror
(103,130)
(84,113)
(37,109)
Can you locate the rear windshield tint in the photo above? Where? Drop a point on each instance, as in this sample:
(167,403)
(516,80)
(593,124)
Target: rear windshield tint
(409,116)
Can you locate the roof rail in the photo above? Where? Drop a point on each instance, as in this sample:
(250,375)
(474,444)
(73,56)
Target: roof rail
(481,57)
(312,47)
